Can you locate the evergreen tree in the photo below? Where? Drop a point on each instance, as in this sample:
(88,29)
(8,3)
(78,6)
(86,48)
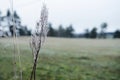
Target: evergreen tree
(69,31)
(16,15)
(23,31)
(8,13)
(11,30)
(29,32)
(51,31)
(61,31)
(87,34)
(93,33)
(117,34)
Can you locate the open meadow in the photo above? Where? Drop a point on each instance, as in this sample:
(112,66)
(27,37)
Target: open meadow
(64,59)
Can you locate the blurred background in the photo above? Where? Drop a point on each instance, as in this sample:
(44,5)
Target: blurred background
(76,17)
(82,44)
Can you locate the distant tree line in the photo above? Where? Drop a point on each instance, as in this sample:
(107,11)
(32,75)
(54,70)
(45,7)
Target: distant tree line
(61,31)
(103,34)
(69,32)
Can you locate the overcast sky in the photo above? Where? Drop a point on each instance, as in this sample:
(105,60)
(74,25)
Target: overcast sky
(81,13)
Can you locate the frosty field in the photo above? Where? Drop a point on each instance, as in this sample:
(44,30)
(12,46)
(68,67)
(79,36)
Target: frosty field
(64,59)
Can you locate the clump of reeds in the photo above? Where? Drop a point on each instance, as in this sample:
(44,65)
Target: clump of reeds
(38,38)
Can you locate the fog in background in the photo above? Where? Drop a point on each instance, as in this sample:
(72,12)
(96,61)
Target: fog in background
(81,13)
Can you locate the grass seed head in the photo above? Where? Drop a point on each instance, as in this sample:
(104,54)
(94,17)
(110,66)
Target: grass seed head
(38,38)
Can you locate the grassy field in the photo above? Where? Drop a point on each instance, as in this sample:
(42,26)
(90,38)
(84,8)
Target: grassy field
(64,59)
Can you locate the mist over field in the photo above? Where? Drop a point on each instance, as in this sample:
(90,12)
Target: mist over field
(64,59)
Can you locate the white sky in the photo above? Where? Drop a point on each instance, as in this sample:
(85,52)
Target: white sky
(81,13)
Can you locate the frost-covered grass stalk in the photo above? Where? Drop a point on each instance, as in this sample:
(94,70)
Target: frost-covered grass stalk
(38,38)
(16,46)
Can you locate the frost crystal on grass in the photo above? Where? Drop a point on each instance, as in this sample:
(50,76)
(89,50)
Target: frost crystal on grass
(38,38)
